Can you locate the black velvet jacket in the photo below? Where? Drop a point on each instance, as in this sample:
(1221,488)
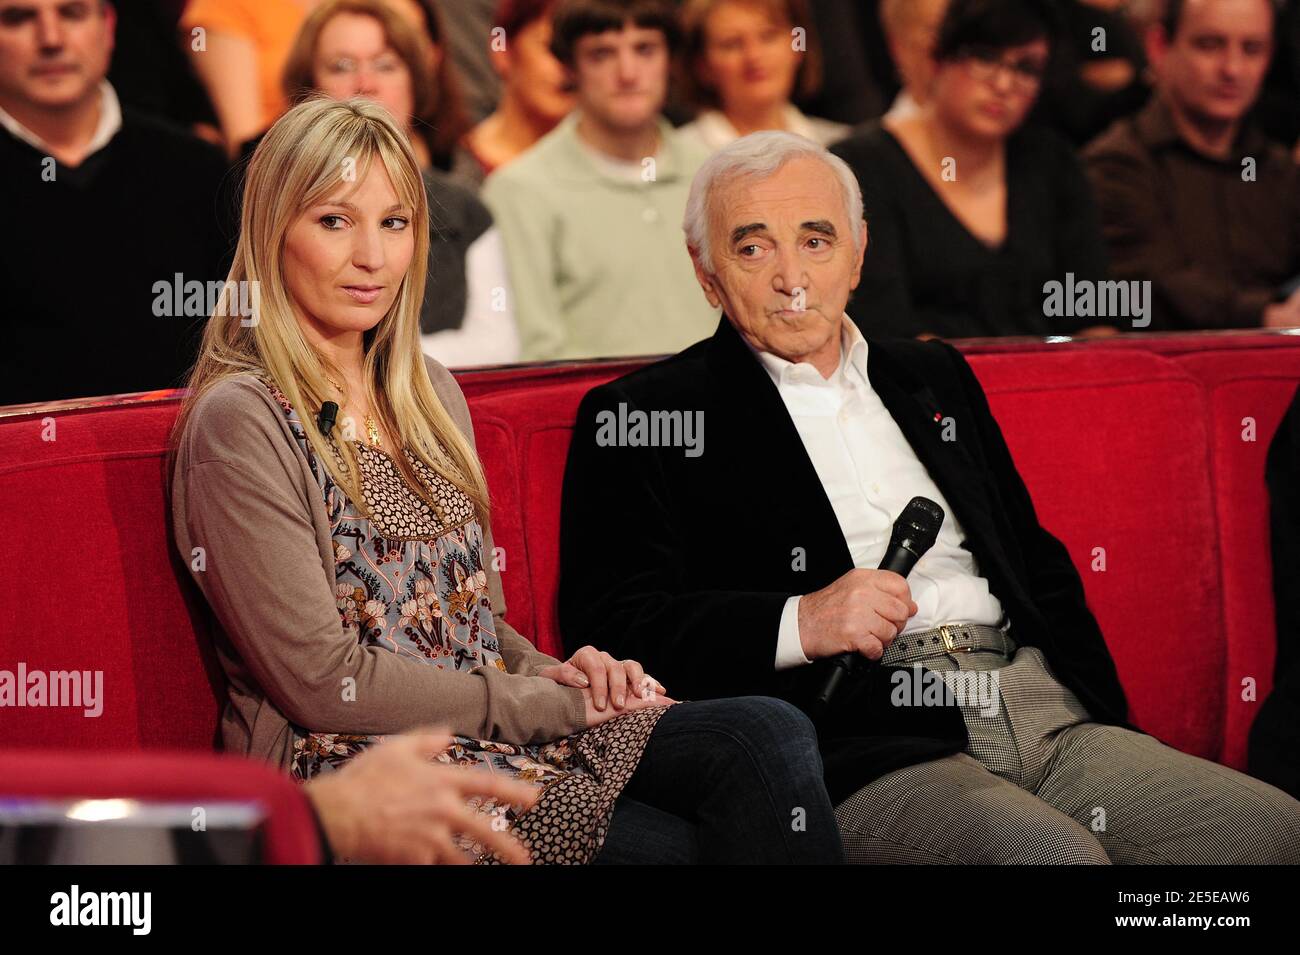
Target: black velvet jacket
(685,563)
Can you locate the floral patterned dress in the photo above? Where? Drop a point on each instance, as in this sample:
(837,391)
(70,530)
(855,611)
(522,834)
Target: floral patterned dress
(411,579)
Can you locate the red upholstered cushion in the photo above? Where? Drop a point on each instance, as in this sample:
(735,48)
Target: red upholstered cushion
(495,381)
(496,441)
(1256,385)
(91,583)
(289,829)
(1100,440)
(541,420)
(1130,446)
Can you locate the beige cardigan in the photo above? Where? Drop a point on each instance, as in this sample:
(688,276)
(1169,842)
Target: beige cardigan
(242,490)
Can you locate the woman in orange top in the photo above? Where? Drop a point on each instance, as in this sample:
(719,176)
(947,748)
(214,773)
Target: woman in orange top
(238,48)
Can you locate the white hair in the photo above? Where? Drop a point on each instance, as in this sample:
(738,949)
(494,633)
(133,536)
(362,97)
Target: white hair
(760,155)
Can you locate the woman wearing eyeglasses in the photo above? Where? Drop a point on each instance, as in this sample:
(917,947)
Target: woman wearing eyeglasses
(970,212)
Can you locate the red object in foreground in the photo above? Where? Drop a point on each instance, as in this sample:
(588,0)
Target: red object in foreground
(1145,455)
(288,830)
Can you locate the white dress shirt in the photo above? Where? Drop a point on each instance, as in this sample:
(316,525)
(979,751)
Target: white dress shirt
(870,472)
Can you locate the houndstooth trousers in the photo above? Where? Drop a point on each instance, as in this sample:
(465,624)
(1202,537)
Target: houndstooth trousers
(1040,783)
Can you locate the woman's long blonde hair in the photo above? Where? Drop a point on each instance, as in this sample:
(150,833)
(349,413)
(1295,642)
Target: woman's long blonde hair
(300,162)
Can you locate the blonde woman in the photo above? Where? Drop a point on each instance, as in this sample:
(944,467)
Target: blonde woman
(367,48)
(329,503)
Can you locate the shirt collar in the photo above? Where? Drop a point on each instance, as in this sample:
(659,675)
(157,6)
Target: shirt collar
(624,170)
(668,159)
(852,366)
(716,130)
(1155,127)
(110,122)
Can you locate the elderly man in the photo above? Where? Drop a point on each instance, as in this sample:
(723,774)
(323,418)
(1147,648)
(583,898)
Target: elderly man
(737,558)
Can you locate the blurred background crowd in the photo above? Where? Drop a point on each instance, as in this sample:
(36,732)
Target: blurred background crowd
(1141,155)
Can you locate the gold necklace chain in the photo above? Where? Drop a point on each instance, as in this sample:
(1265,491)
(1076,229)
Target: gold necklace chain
(371,428)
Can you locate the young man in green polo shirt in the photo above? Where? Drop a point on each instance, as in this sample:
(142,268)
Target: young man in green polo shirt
(591,215)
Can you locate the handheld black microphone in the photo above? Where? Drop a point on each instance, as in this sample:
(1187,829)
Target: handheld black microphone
(915,532)
(329,413)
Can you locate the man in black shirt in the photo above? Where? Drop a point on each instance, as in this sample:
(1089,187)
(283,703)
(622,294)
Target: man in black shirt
(1193,196)
(111,217)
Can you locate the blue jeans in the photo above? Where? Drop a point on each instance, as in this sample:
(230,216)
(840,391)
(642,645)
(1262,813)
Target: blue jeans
(725,782)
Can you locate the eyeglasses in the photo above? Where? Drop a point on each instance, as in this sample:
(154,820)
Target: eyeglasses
(985,64)
(346,66)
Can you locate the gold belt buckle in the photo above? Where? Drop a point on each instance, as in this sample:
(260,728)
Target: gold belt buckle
(945,632)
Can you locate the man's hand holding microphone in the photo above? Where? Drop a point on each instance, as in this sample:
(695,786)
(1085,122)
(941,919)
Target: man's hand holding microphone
(861,612)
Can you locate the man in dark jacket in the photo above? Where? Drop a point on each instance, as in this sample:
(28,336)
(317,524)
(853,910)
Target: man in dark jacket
(724,510)
(1275,735)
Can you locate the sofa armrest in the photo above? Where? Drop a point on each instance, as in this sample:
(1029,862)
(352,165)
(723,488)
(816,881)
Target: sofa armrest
(290,834)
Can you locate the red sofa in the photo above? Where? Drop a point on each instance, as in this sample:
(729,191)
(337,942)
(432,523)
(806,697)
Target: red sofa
(1130,446)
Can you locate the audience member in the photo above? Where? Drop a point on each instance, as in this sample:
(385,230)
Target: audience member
(588,213)
(1098,70)
(744,61)
(113,216)
(469,32)
(912,29)
(971,213)
(1193,196)
(535,91)
(406,68)
(853,61)
(366,48)
(238,48)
